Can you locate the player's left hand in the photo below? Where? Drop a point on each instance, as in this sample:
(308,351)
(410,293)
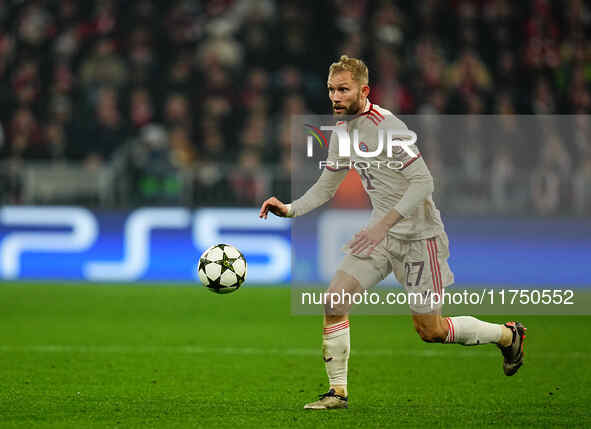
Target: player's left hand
(366,240)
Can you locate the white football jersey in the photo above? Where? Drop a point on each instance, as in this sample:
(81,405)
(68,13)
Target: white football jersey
(387,179)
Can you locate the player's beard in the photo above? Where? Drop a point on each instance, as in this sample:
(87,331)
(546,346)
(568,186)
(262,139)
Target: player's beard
(353,109)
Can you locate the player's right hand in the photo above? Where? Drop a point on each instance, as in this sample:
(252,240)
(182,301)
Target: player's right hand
(274,206)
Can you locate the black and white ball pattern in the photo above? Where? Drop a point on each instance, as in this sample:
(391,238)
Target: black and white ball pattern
(222,268)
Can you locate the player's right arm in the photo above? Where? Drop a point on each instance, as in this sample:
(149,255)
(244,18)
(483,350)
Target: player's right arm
(319,193)
(274,206)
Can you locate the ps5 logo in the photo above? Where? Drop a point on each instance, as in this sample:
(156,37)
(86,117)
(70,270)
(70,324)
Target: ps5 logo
(70,241)
(81,233)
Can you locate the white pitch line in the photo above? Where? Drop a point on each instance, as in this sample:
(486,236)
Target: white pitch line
(446,350)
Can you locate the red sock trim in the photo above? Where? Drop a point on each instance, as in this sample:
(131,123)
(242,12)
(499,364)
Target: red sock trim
(451,334)
(335,328)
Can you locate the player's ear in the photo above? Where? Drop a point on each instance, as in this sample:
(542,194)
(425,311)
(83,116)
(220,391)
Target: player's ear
(365,90)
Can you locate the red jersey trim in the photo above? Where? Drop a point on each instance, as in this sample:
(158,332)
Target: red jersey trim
(372,114)
(335,169)
(410,161)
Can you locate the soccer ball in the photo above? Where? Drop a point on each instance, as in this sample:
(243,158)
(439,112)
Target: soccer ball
(222,268)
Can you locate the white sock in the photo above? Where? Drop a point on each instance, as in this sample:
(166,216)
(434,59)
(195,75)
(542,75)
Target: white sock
(469,331)
(336,346)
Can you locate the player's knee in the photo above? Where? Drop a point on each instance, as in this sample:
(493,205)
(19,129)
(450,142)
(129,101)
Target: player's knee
(339,297)
(334,305)
(430,334)
(335,311)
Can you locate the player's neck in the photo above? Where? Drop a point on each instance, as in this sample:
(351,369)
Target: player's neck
(365,107)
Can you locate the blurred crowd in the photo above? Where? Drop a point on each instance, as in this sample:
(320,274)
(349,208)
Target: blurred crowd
(153,87)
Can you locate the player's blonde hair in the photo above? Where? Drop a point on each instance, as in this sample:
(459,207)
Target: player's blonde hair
(356,66)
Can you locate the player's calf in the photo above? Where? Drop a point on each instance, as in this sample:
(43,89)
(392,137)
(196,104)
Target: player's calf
(430,327)
(336,341)
(465,330)
(469,331)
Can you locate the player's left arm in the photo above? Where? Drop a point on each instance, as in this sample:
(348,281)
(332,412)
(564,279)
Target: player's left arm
(416,172)
(420,187)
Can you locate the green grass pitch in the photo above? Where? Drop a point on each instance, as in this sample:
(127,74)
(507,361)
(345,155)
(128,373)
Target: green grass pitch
(106,356)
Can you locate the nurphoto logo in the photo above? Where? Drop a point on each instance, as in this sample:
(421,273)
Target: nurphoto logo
(396,141)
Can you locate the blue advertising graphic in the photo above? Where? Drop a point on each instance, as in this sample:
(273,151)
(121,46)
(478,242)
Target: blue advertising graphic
(150,244)
(483,251)
(163,244)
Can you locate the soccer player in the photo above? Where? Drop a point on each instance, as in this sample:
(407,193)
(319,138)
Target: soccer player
(405,236)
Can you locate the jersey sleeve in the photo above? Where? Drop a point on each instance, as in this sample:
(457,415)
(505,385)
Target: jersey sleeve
(414,170)
(319,193)
(327,184)
(420,186)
